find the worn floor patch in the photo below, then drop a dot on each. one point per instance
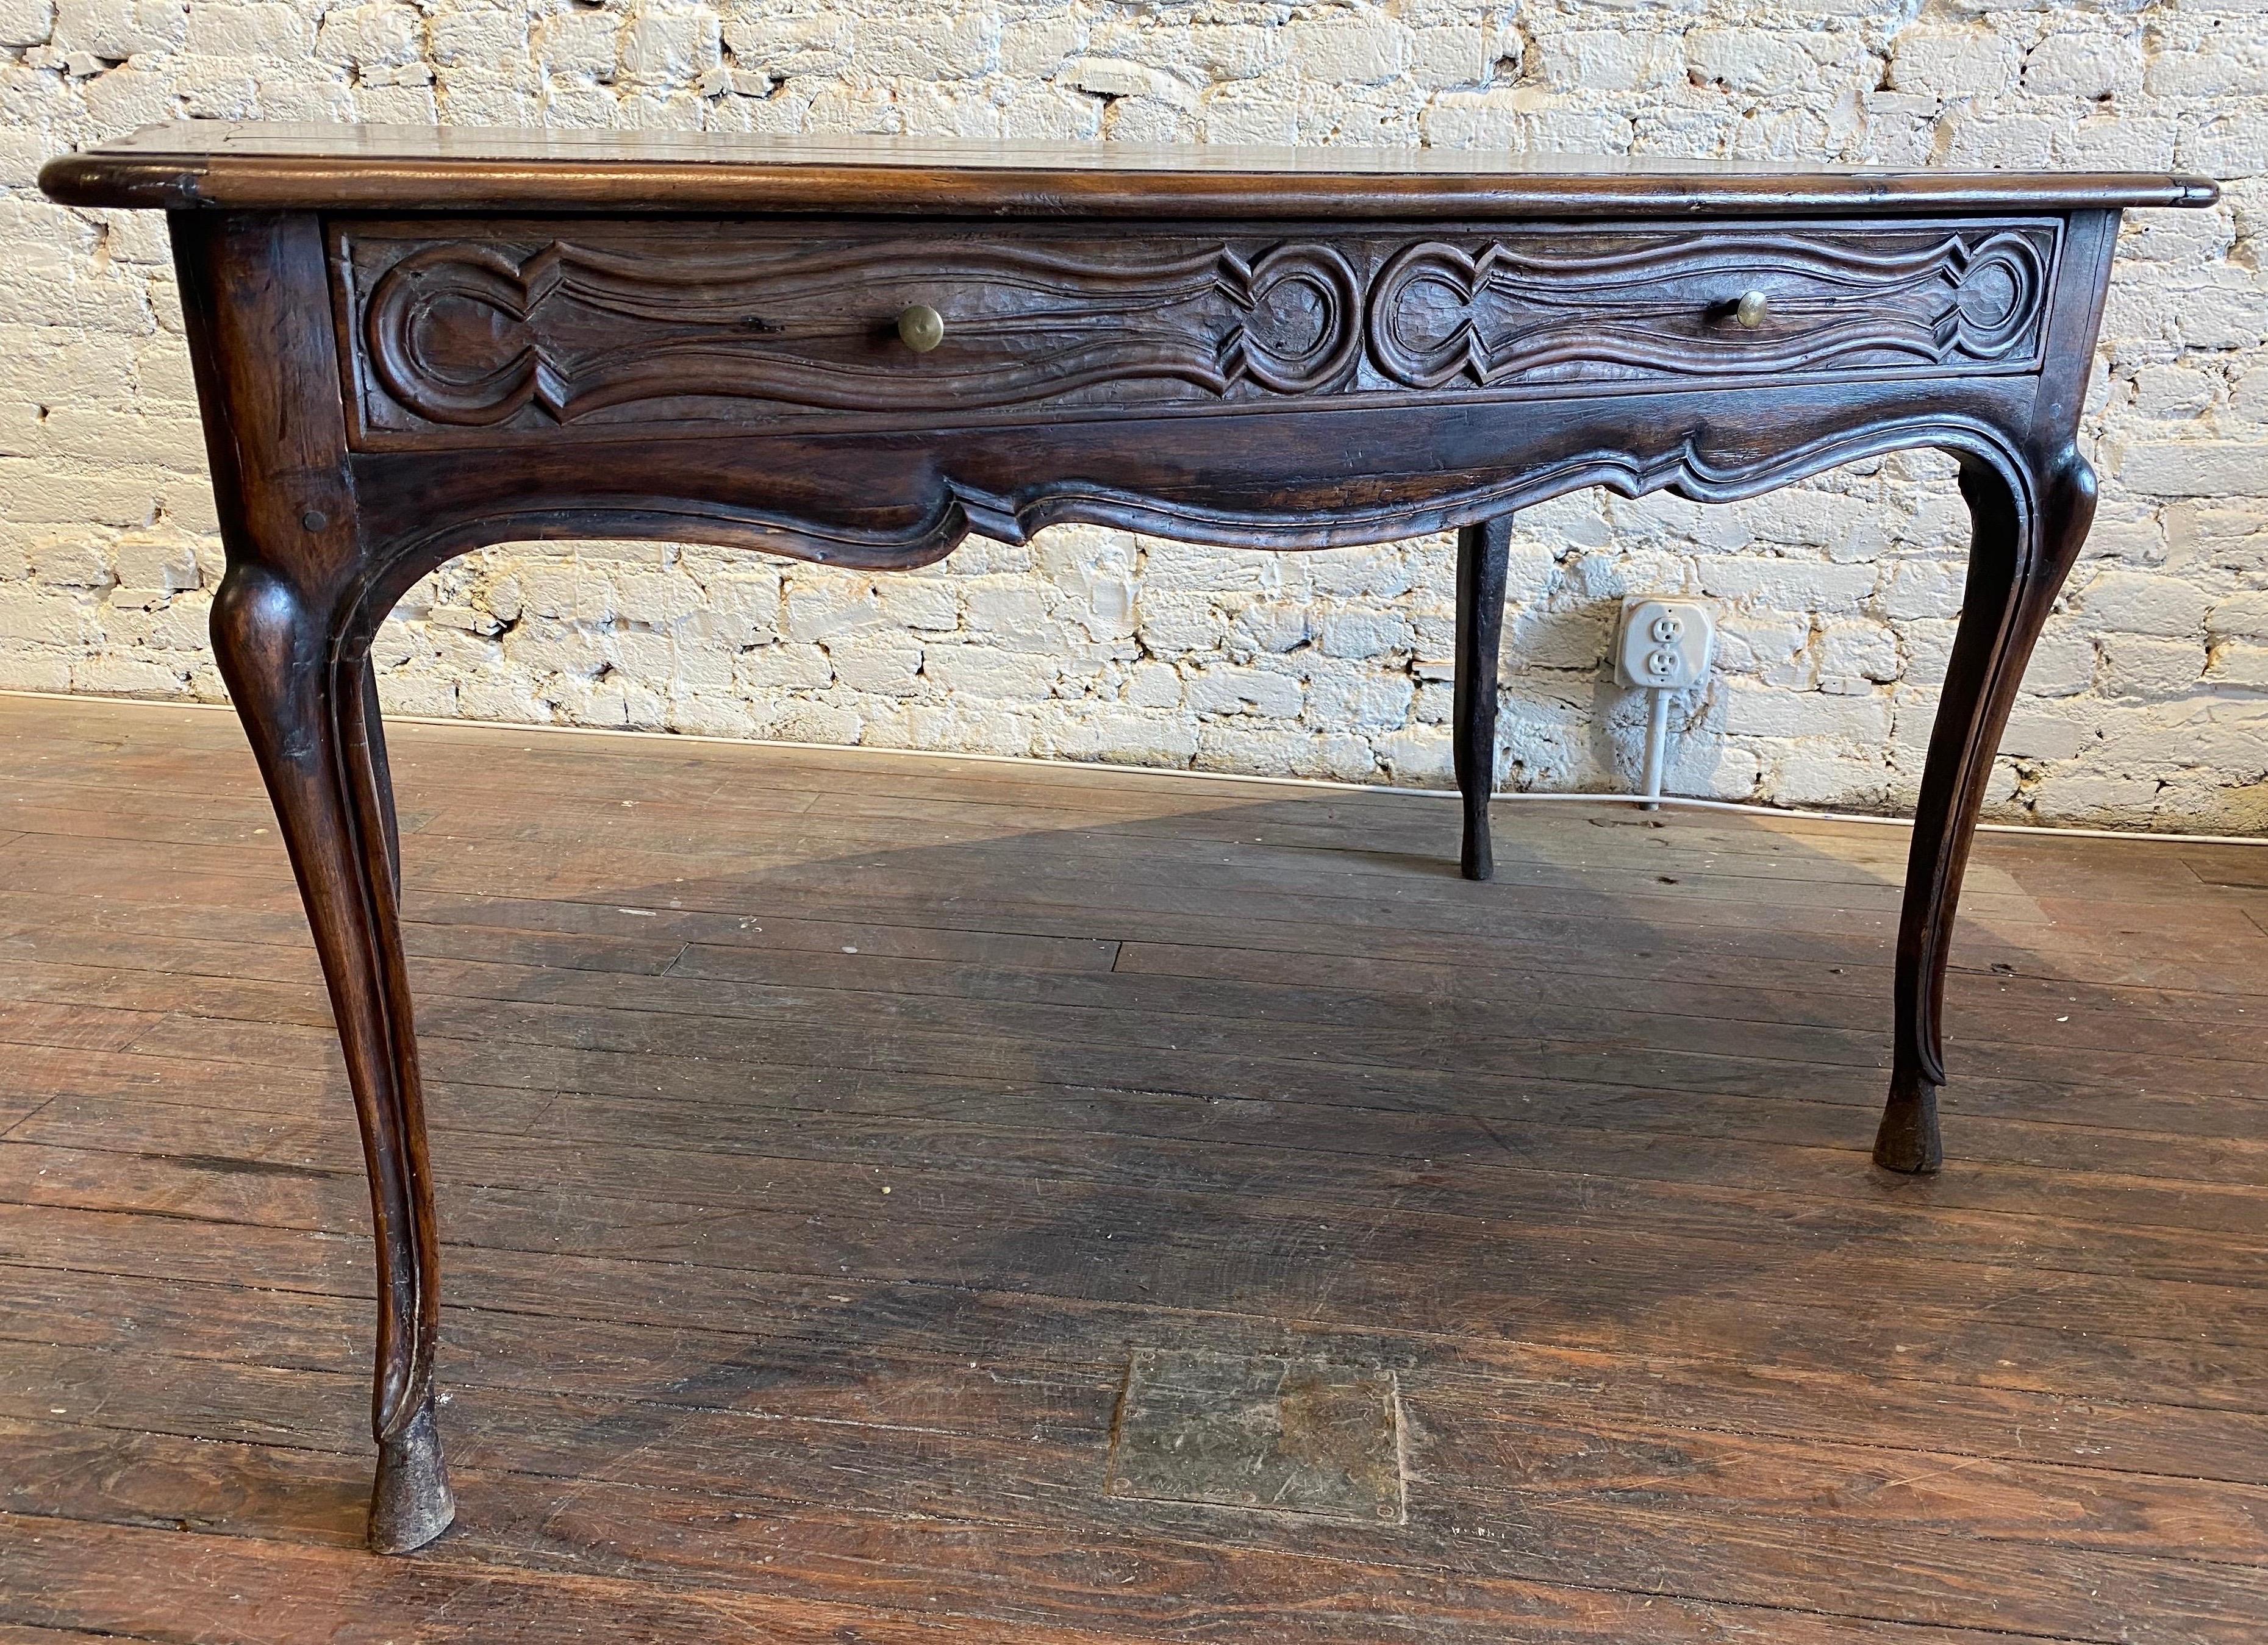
(1295, 1435)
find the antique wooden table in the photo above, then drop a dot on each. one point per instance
(411, 342)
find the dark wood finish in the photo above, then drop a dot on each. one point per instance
(275, 165)
(405, 350)
(466, 338)
(301, 684)
(1667, 1365)
(1484, 555)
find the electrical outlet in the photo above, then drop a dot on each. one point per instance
(1664, 643)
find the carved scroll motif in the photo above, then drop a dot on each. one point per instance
(1441, 314)
(470, 335)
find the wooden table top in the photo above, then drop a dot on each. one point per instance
(259, 165)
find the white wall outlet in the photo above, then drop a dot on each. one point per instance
(1666, 644)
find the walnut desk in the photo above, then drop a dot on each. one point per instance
(409, 343)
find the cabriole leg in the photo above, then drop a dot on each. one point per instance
(2020, 554)
(311, 715)
(1482, 551)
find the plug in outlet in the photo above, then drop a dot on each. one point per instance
(1665, 645)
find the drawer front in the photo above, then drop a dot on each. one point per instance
(501, 329)
(1736, 303)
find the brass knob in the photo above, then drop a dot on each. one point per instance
(1754, 308)
(921, 328)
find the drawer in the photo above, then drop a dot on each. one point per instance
(1726, 304)
(478, 333)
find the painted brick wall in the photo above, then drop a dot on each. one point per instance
(2148, 704)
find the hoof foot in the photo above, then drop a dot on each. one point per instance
(1909, 1140)
(410, 1504)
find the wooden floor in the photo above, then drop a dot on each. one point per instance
(821, 1135)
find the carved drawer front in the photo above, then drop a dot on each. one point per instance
(1738, 302)
(757, 323)
(501, 329)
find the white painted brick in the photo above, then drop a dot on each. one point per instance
(988, 673)
(1179, 624)
(939, 45)
(26, 22)
(815, 610)
(2063, 663)
(773, 668)
(1015, 617)
(1036, 47)
(2209, 64)
(1763, 711)
(2137, 665)
(115, 30)
(2241, 616)
(1360, 699)
(1450, 55)
(1108, 77)
(1344, 48)
(882, 661)
(1923, 588)
(1359, 633)
(2242, 666)
(2143, 603)
(1790, 584)
(162, 560)
(668, 45)
(808, 723)
(1223, 689)
(2085, 63)
(790, 46)
(1271, 625)
(2171, 391)
(2195, 468)
(1123, 737)
(1948, 62)
(1747, 58)
(1855, 654)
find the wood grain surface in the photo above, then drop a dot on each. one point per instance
(1146, 1066)
(263, 164)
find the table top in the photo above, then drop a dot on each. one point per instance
(264, 166)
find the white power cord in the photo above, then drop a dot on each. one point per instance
(1657, 738)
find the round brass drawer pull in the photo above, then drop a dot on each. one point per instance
(1754, 308)
(921, 328)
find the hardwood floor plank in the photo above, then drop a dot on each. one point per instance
(137, 1320)
(260, 1591)
(1965, 1347)
(1249, 1257)
(1043, 1447)
(1509, 1173)
(703, 1018)
(472, 1594)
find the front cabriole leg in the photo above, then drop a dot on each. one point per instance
(2023, 547)
(303, 707)
(291, 635)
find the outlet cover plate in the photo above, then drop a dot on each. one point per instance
(1667, 643)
